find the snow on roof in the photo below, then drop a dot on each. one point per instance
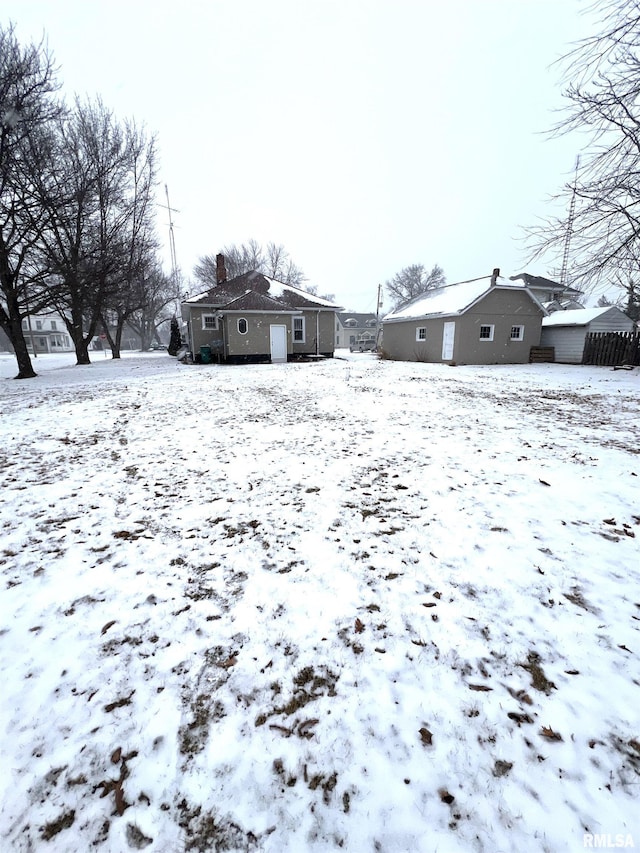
(451, 299)
(198, 297)
(278, 288)
(574, 317)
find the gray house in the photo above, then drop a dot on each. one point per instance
(488, 320)
(252, 318)
(554, 296)
(356, 331)
(566, 331)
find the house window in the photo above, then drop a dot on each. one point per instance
(54, 326)
(517, 333)
(209, 322)
(298, 330)
(486, 333)
(38, 325)
(24, 324)
(421, 333)
(242, 326)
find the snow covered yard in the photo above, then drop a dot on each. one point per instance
(356, 605)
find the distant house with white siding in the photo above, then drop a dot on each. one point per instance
(566, 331)
(46, 333)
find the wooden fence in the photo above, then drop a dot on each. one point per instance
(612, 348)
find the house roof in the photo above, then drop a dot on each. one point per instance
(454, 298)
(538, 282)
(579, 316)
(254, 301)
(279, 295)
(360, 318)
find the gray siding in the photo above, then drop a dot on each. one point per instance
(257, 339)
(317, 324)
(500, 309)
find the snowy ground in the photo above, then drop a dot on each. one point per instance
(356, 605)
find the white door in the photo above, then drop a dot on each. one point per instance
(278, 336)
(448, 336)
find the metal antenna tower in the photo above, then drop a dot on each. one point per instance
(567, 239)
(172, 248)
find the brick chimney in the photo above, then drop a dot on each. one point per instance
(221, 272)
(494, 276)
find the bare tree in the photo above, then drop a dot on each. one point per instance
(626, 280)
(27, 105)
(129, 278)
(273, 261)
(156, 306)
(602, 223)
(412, 281)
(98, 214)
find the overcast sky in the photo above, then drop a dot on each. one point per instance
(364, 135)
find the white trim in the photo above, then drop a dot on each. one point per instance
(491, 328)
(205, 327)
(303, 339)
(520, 336)
(246, 323)
(421, 338)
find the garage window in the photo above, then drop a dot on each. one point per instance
(486, 333)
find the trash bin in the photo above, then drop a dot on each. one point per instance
(205, 355)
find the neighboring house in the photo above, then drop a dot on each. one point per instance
(488, 320)
(5, 342)
(356, 331)
(566, 331)
(46, 333)
(252, 318)
(553, 296)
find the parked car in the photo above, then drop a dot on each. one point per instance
(364, 345)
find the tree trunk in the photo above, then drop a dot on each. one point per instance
(76, 333)
(25, 368)
(114, 343)
(12, 325)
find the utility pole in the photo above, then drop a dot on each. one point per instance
(378, 307)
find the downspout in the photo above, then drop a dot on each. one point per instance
(318, 332)
(223, 322)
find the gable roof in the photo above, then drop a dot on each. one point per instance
(254, 301)
(268, 294)
(538, 282)
(360, 318)
(454, 299)
(580, 316)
